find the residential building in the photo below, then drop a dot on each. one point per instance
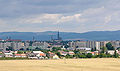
(8, 54)
(42, 45)
(97, 45)
(20, 55)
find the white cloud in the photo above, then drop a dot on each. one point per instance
(32, 21)
(93, 11)
(70, 18)
(52, 19)
(108, 19)
(43, 18)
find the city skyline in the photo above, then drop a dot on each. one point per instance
(67, 16)
(59, 35)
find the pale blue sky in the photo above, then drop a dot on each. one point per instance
(69, 15)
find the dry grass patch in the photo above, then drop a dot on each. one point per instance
(103, 64)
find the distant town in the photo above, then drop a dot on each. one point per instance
(56, 48)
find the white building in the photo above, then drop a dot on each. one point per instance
(111, 52)
(97, 45)
(8, 54)
(55, 57)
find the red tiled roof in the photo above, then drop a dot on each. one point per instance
(20, 54)
(42, 54)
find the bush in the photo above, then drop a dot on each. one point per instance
(116, 55)
(95, 56)
(82, 56)
(79, 55)
(56, 48)
(20, 52)
(109, 55)
(89, 55)
(102, 55)
(69, 56)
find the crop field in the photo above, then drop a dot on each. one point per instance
(103, 64)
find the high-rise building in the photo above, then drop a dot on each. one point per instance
(80, 44)
(103, 43)
(42, 45)
(91, 44)
(97, 45)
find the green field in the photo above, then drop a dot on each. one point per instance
(103, 64)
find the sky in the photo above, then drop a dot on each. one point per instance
(64, 15)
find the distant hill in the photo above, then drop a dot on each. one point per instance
(94, 35)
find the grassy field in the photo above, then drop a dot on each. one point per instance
(105, 64)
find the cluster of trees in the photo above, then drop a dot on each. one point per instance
(104, 51)
(10, 48)
(83, 55)
(109, 46)
(89, 55)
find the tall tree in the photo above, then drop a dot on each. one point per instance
(109, 46)
(103, 50)
(116, 55)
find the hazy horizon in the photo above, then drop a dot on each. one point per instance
(64, 31)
